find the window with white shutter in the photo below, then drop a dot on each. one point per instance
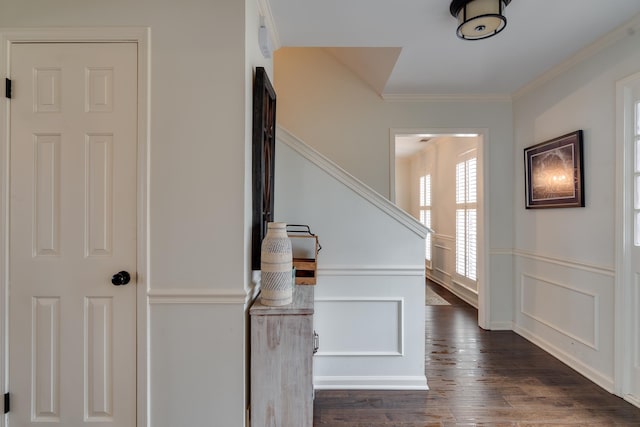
(466, 216)
(425, 210)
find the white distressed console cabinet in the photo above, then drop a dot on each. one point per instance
(282, 346)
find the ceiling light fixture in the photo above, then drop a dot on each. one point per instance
(479, 19)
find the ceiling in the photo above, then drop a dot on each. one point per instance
(406, 145)
(409, 47)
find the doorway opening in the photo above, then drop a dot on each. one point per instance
(627, 294)
(437, 176)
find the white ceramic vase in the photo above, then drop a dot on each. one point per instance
(276, 265)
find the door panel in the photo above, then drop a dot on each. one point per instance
(72, 334)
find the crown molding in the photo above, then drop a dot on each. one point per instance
(625, 30)
(447, 97)
(264, 8)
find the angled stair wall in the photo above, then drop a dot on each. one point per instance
(370, 290)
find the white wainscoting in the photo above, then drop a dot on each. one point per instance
(365, 317)
(204, 332)
(566, 307)
(541, 300)
(443, 259)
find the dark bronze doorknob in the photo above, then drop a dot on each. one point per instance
(121, 278)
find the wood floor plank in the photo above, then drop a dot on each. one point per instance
(479, 378)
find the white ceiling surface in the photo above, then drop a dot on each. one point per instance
(406, 145)
(540, 34)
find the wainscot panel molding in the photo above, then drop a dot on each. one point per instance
(599, 378)
(443, 262)
(368, 327)
(444, 237)
(604, 270)
(352, 182)
(567, 308)
(377, 321)
(198, 296)
(369, 383)
(532, 305)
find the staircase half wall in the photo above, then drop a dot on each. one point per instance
(370, 291)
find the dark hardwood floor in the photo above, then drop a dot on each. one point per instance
(479, 378)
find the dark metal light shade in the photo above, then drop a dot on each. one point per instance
(479, 19)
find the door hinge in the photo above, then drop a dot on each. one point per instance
(7, 403)
(7, 88)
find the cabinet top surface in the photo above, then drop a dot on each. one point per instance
(302, 304)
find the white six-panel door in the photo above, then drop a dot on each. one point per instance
(72, 333)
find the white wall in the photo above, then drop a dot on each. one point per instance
(331, 109)
(201, 65)
(403, 187)
(564, 258)
(369, 297)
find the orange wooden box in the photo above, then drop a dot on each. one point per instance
(305, 258)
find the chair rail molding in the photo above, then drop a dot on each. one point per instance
(371, 270)
(198, 296)
(604, 270)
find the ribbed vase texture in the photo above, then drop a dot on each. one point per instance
(276, 265)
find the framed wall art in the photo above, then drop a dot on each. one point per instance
(554, 173)
(264, 156)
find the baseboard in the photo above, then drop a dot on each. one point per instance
(469, 296)
(585, 370)
(370, 383)
(634, 400)
(501, 326)
(457, 291)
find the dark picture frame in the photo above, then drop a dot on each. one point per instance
(263, 161)
(554, 173)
